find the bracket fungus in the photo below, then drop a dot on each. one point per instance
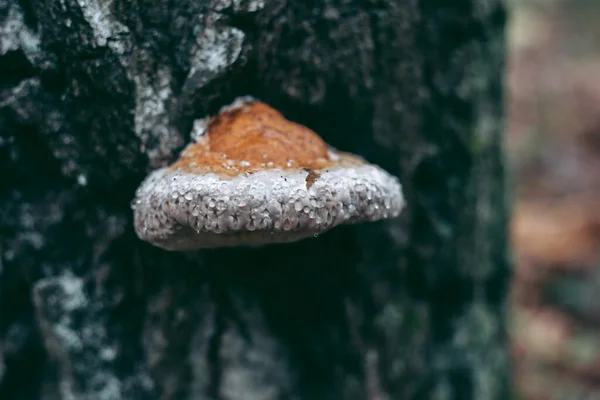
(253, 177)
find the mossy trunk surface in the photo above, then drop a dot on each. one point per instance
(96, 93)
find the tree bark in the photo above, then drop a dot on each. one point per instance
(96, 93)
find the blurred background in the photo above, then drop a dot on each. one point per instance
(553, 146)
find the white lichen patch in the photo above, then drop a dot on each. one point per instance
(256, 368)
(105, 26)
(199, 129)
(153, 87)
(76, 337)
(217, 49)
(185, 211)
(152, 94)
(240, 5)
(14, 34)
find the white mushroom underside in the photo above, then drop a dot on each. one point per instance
(185, 211)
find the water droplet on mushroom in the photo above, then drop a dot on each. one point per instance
(134, 203)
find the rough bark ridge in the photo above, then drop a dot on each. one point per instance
(95, 93)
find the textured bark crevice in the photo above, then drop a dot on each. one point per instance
(95, 93)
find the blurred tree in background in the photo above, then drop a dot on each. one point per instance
(553, 142)
(95, 93)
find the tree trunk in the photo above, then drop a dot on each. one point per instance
(96, 93)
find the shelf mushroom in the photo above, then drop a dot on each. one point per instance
(252, 178)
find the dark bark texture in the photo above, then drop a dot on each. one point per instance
(96, 93)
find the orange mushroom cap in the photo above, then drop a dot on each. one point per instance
(254, 177)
